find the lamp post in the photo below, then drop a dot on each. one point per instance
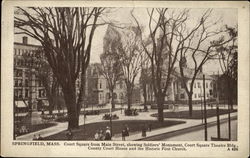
(110, 100)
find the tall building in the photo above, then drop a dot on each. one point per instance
(28, 89)
(97, 91)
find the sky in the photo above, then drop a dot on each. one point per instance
(122, 15)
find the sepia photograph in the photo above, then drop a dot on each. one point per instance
(109, 73)
(124, 79)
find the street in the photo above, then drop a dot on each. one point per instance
(212, 132)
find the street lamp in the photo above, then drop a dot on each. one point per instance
(110, 100)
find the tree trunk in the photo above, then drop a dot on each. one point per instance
(145, 95)
(51, 104)
(190, 104)
(160, 102)
(112, 100)
(129, 96)
(70, 100)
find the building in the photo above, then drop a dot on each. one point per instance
(28, 89)
(97, 91)
(176, 91)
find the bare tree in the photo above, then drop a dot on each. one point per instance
(162, 47)
(200, 47)
(110, 65)
(49, 81)
(66, 36)
(228, 59)
(145, 80)
(130, 57)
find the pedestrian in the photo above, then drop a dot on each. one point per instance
(143, 130)
(97, 136)
(149, 127)
(69, 135)
(123, 134)
(126, 130)
(34, 137)
(107, 134)
(101, 135)
(40, 137)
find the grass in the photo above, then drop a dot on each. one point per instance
(134, 126)
(197, 114)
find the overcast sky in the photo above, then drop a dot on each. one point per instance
(122, 15)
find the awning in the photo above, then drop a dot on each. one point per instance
(20, 104)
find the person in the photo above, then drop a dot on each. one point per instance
(149, 127)
(126, 130)
(108, 134)
(40, 137)
(34, 137)
(101, 135)
(143, 131)
(97, 136)
(69, 135)
(123, 134)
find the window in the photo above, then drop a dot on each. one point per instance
(206, 85)
(211, 85)
(16, 83)
(207, 94)
(182, 96)
(16, 93)
(20, 93)
(115, 95)
(26, 83)
(20, 83)
(182, 85)
(194, 85)
(199, 85)
(26, 93)
(199, 95)
(195, 95)
(40, 93)
(100, 85)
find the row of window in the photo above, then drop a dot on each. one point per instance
(19, 93)
(25, 52)
(196, 95)
(26, 83)
(120, 85)
(198, 85)
(21, 62)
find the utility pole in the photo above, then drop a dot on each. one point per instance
(205, 109)
(217, 108)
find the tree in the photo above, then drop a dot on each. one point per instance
(49, 81)
(162, 48)
(145, 81)
(110, 65)
(130, 57)
(228, 59)
(66, 36)
(198, 48)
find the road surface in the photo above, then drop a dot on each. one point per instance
(212, 132)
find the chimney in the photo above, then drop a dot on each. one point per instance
(25, 40)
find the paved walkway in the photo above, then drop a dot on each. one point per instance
(133, 136)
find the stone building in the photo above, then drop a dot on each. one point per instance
(97, 91)
(28, 89)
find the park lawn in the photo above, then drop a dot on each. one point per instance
(134, 126)
(197, 114)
